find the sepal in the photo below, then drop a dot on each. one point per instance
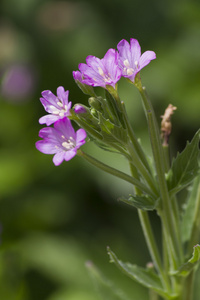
(86, 89)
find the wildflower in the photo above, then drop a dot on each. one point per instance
(58, 106)
(130, 59)
(101, 72)
(61, 140)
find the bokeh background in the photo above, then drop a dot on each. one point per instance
(55, 219)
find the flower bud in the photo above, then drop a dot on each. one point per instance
(94, 103)
(80, 109)
(86, 89)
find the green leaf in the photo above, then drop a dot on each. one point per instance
(111, 131)
(144, 202)
(105, 288)
(184, 167)
(193, 262)
(145, 277)
(191, 214)
(105, 147)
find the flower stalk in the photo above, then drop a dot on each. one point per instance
(114, 171)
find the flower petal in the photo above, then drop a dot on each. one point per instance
(65, 127)
(124, 50)
(135, 50)
(49, 119)
(62, 94)
(70, 154)
(77, 75)
(80, 137)
(58, 158)
(49, 96)
(46, 147)
(145, 58)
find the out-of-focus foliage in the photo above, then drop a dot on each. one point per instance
(54, 219)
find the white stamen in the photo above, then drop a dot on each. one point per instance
(60, 104)
(55, 112)
(136, 63)
(129, 71)
(101, 71)
(69, 144)
(52, 107)
(62, 136)
(126, 63)
(65, 145)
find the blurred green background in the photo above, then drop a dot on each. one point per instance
(54, 219)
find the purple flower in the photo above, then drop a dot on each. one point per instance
(101, 72)
(57, 106)
(130, 59)
(61, 140)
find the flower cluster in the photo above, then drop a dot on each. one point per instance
(61, 139)
(126, 62)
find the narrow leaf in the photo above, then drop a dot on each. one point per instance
(145, 277)
(193, 262)
(185, 166)
(111, 131)
(191, 214)
(105, 287)
(144, 202)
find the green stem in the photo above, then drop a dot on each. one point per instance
(114, 172)
(150, 239)
(166, 215)
(153, 250)
(136, 153)
(135, 160)
(189, 284)
(153, 295)
(195, 234)
(134, 140)
(175, 209)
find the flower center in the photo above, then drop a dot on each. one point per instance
(136, 64)
(127, 69)
(69, 143)
(59, 111)
(106, 78)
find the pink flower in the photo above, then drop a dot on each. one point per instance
(130, 59)
(61, 140)
(57, 106)
(101, 72)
